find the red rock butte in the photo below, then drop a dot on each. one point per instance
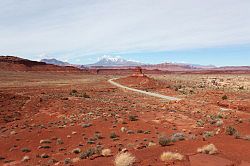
(138, 72)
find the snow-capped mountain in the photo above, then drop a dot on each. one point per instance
(115, 61)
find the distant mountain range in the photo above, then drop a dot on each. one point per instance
(12, 63)
(177, 66)
(115, 61)
(112, 65)
(119, 63)
(55, 62)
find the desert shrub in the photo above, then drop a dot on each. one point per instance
(88, 153)
(130, 132)
(91, 141)
(164, 141)
(139, 131)
(106, 152)
(77, 94)
(147, 132)
(200, 123)
(73, 92)
(219, 115)
(224, 97)
(239, 120)
(59, 141)
(98, 149)
(133, 118)
(231, 131)
(208, 134)
(124, 159)
(207, 149)
(67, 161)
(98, 135)
(85, 95)
(177, 137)
(219, 123)
(113, 135)
(167, 156)
(241, 87)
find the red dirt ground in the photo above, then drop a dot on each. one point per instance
(39, 106)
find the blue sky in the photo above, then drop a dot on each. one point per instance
(151, 31)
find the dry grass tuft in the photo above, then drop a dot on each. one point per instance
(124, 159)
(106, 152)
(167, 156)
(208, 149)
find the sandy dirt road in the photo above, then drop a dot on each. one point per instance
(143, 92)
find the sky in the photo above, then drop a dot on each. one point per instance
(213, 32)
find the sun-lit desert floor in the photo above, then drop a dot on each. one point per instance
(72, 119)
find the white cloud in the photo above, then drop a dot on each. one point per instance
(33, 27)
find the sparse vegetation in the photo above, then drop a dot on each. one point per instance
(133, 117)
(241, 87)
(231, 131)
(207, 149)
(219, 123)
(98, 135)
(164, 140)
(200, 123)
(224, 97)
(124, 159)
(106, 152)
(88, 153)
(98, 128)
(208, 134)
(75, 93)
(113, 135)
(177, 137)
(167, 156)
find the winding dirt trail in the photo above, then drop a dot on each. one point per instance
(143, 92)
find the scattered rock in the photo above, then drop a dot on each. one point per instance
(44, 155)
(67, 161)
(76, 151)
(59, 141)
(86, 125)
(25, 159)
(45, 141)
(123, 129)
(26, 150)
(106, 152)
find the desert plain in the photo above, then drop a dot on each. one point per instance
(74, 118)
